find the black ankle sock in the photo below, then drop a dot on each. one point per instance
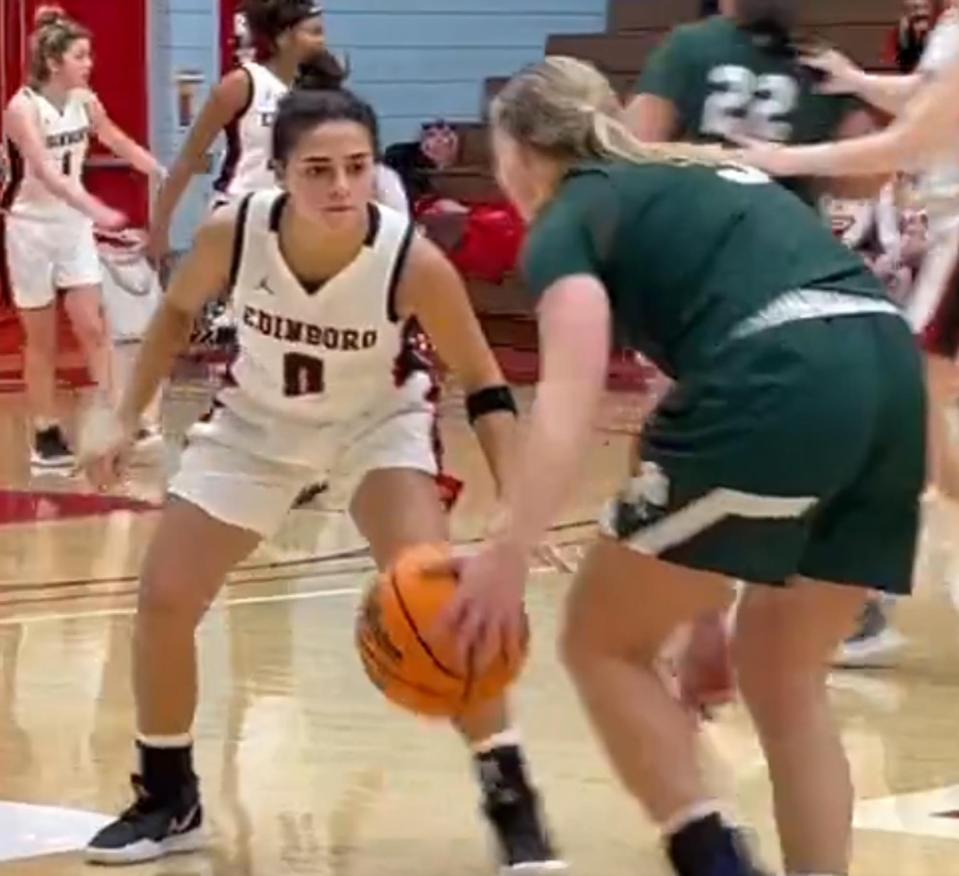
(707, 847)
(165, 772)
(502, 770)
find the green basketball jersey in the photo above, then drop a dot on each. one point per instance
(686, 253)
(723, 79)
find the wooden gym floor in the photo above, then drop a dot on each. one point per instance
(306, 770)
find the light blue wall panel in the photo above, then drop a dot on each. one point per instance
(415, 60)
(184, 36)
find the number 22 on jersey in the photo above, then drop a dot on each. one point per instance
(741, 102)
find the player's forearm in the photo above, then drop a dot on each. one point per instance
(877, 153)
(166, 337)
(171, 192)
(497, 435)
(927, 124)
(127, 148)
(889, 93)
(556, 443)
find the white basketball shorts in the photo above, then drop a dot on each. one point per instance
(46, 256)
(222, 472)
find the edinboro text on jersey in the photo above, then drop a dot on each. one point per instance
(282, 328)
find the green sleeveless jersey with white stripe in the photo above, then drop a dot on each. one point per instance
(690, 254)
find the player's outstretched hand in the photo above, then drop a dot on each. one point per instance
(104, 447)
(838, 72)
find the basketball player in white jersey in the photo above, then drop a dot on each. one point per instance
(242, 106)
(324, 282)
(324, 73)
(49, 216)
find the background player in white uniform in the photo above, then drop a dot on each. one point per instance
(49, 217)
(287, 33)
(323, 281)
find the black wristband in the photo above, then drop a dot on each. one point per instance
(488, 401)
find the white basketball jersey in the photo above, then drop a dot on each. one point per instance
(938, 188)
(66, 136)
(308, 358)
(249, 136)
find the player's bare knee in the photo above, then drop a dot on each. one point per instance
(41, 343)
(582, 647)
(172, 600)
(91, 332)
(777, 690)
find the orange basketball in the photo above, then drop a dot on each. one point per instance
(395, 635)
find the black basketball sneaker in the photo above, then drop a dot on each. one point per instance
(151, 828)
(512, 808)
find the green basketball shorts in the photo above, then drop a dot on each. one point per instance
(800, 451)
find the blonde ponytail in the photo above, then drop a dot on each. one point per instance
(615, 141)
(567, 109)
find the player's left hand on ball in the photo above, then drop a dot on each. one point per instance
(486, 615)
(103, 447)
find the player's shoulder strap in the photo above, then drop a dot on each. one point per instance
(260, 75)
(389, 238)
(31, 98)
(246, 71)
(85, 99)
(256, 218)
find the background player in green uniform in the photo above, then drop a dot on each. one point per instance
(738, 74)
(733, 75)
(789, 453)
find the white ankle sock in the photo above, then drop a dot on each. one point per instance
(497, 740)
(182, 740)
(675, 823)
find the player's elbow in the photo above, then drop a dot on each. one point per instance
(110, 135)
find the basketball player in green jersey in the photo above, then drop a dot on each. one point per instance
(790, 453)
(739, 74)
(733, 75)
